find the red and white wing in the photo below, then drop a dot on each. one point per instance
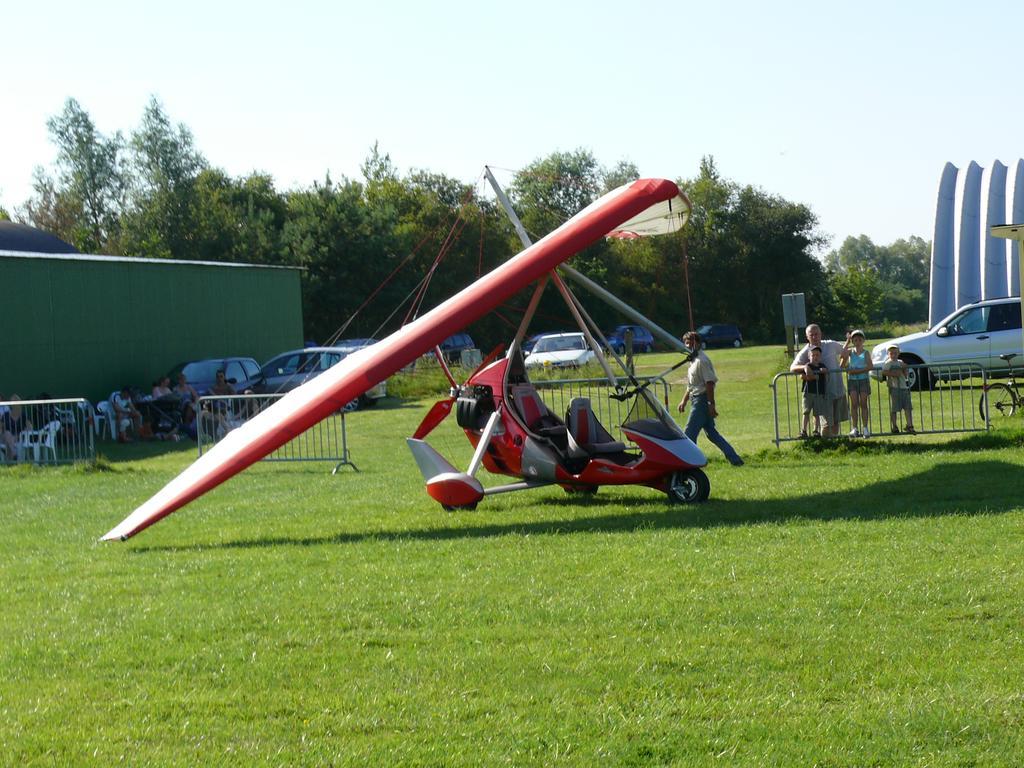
(647, 205)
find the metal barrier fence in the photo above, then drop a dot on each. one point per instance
(60, 431)
(324, 441)
(950, 400)
(558, 393)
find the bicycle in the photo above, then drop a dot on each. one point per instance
(1002, 398)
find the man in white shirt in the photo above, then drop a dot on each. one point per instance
(700, 391)
(831, 354)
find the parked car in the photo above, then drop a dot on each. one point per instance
(560, 350)
(977, 333)
(350, 344)
(453, 347)
(292, 369)
(528, 343)
(721, 335)
(643, 339)
(241, 373)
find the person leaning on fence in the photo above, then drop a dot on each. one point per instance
(816, 400)
(895, 372)
(217, 418)
(700, 391)
(858, 383)
(831, 355)
(126, 413)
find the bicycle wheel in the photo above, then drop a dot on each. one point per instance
(1002, 401)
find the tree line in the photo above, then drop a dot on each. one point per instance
(408, 241)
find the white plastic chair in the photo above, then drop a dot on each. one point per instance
(105, 414)
(37, 440)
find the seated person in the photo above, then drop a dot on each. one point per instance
(222, 386)
(189, 397)
(217, 418)
(162, 388)
(126, 414)
(13, 422)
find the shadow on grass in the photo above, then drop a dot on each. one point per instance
(142, 449)
(981, 441)
(985, 487)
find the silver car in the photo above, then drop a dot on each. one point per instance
(977, 333)
(289, 370)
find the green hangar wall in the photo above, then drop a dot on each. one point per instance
(82, 326)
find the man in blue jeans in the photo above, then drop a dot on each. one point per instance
(700, 390)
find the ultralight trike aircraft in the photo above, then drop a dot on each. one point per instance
(513, 431)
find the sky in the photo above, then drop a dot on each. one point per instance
(850, 108)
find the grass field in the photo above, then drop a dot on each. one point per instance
(835, 605)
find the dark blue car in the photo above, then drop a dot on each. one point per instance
(643, 339)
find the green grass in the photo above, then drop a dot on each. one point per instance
(835, 604)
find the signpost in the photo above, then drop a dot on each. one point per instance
(794, 315)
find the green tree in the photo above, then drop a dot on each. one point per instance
(553, 189)
(901, 270)
(746, 249)
(238, 220)
(621, 173)
(4, 215)
(162, 218)
(857, 294)
(83, 204)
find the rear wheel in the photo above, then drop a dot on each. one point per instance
(351, 405)
(466, 507)
(1000, 399)
(689, 487)
(737, 343)
(581, 490)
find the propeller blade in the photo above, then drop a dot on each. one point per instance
(437, 413)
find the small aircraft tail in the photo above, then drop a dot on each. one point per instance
(445, 483)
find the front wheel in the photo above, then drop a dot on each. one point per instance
(737, 343)
(918, 379)
(1000, 399)
(689, 487)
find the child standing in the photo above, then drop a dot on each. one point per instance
(816, 400)
(858, 383)
(895, 372)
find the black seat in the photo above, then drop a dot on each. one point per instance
(1008, 357)
(586, 435)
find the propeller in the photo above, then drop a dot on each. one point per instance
(440, 410)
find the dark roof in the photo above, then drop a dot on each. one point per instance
(22, 237)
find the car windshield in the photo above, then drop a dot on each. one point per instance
(704, 330)
(204, 370)
(560, 344)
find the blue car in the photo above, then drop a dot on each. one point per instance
(643, 339)
(241, 373)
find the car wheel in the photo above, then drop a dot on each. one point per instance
(351, 405)
(689, 487)
(737, 343)
(1000, 401)
(917, 378)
